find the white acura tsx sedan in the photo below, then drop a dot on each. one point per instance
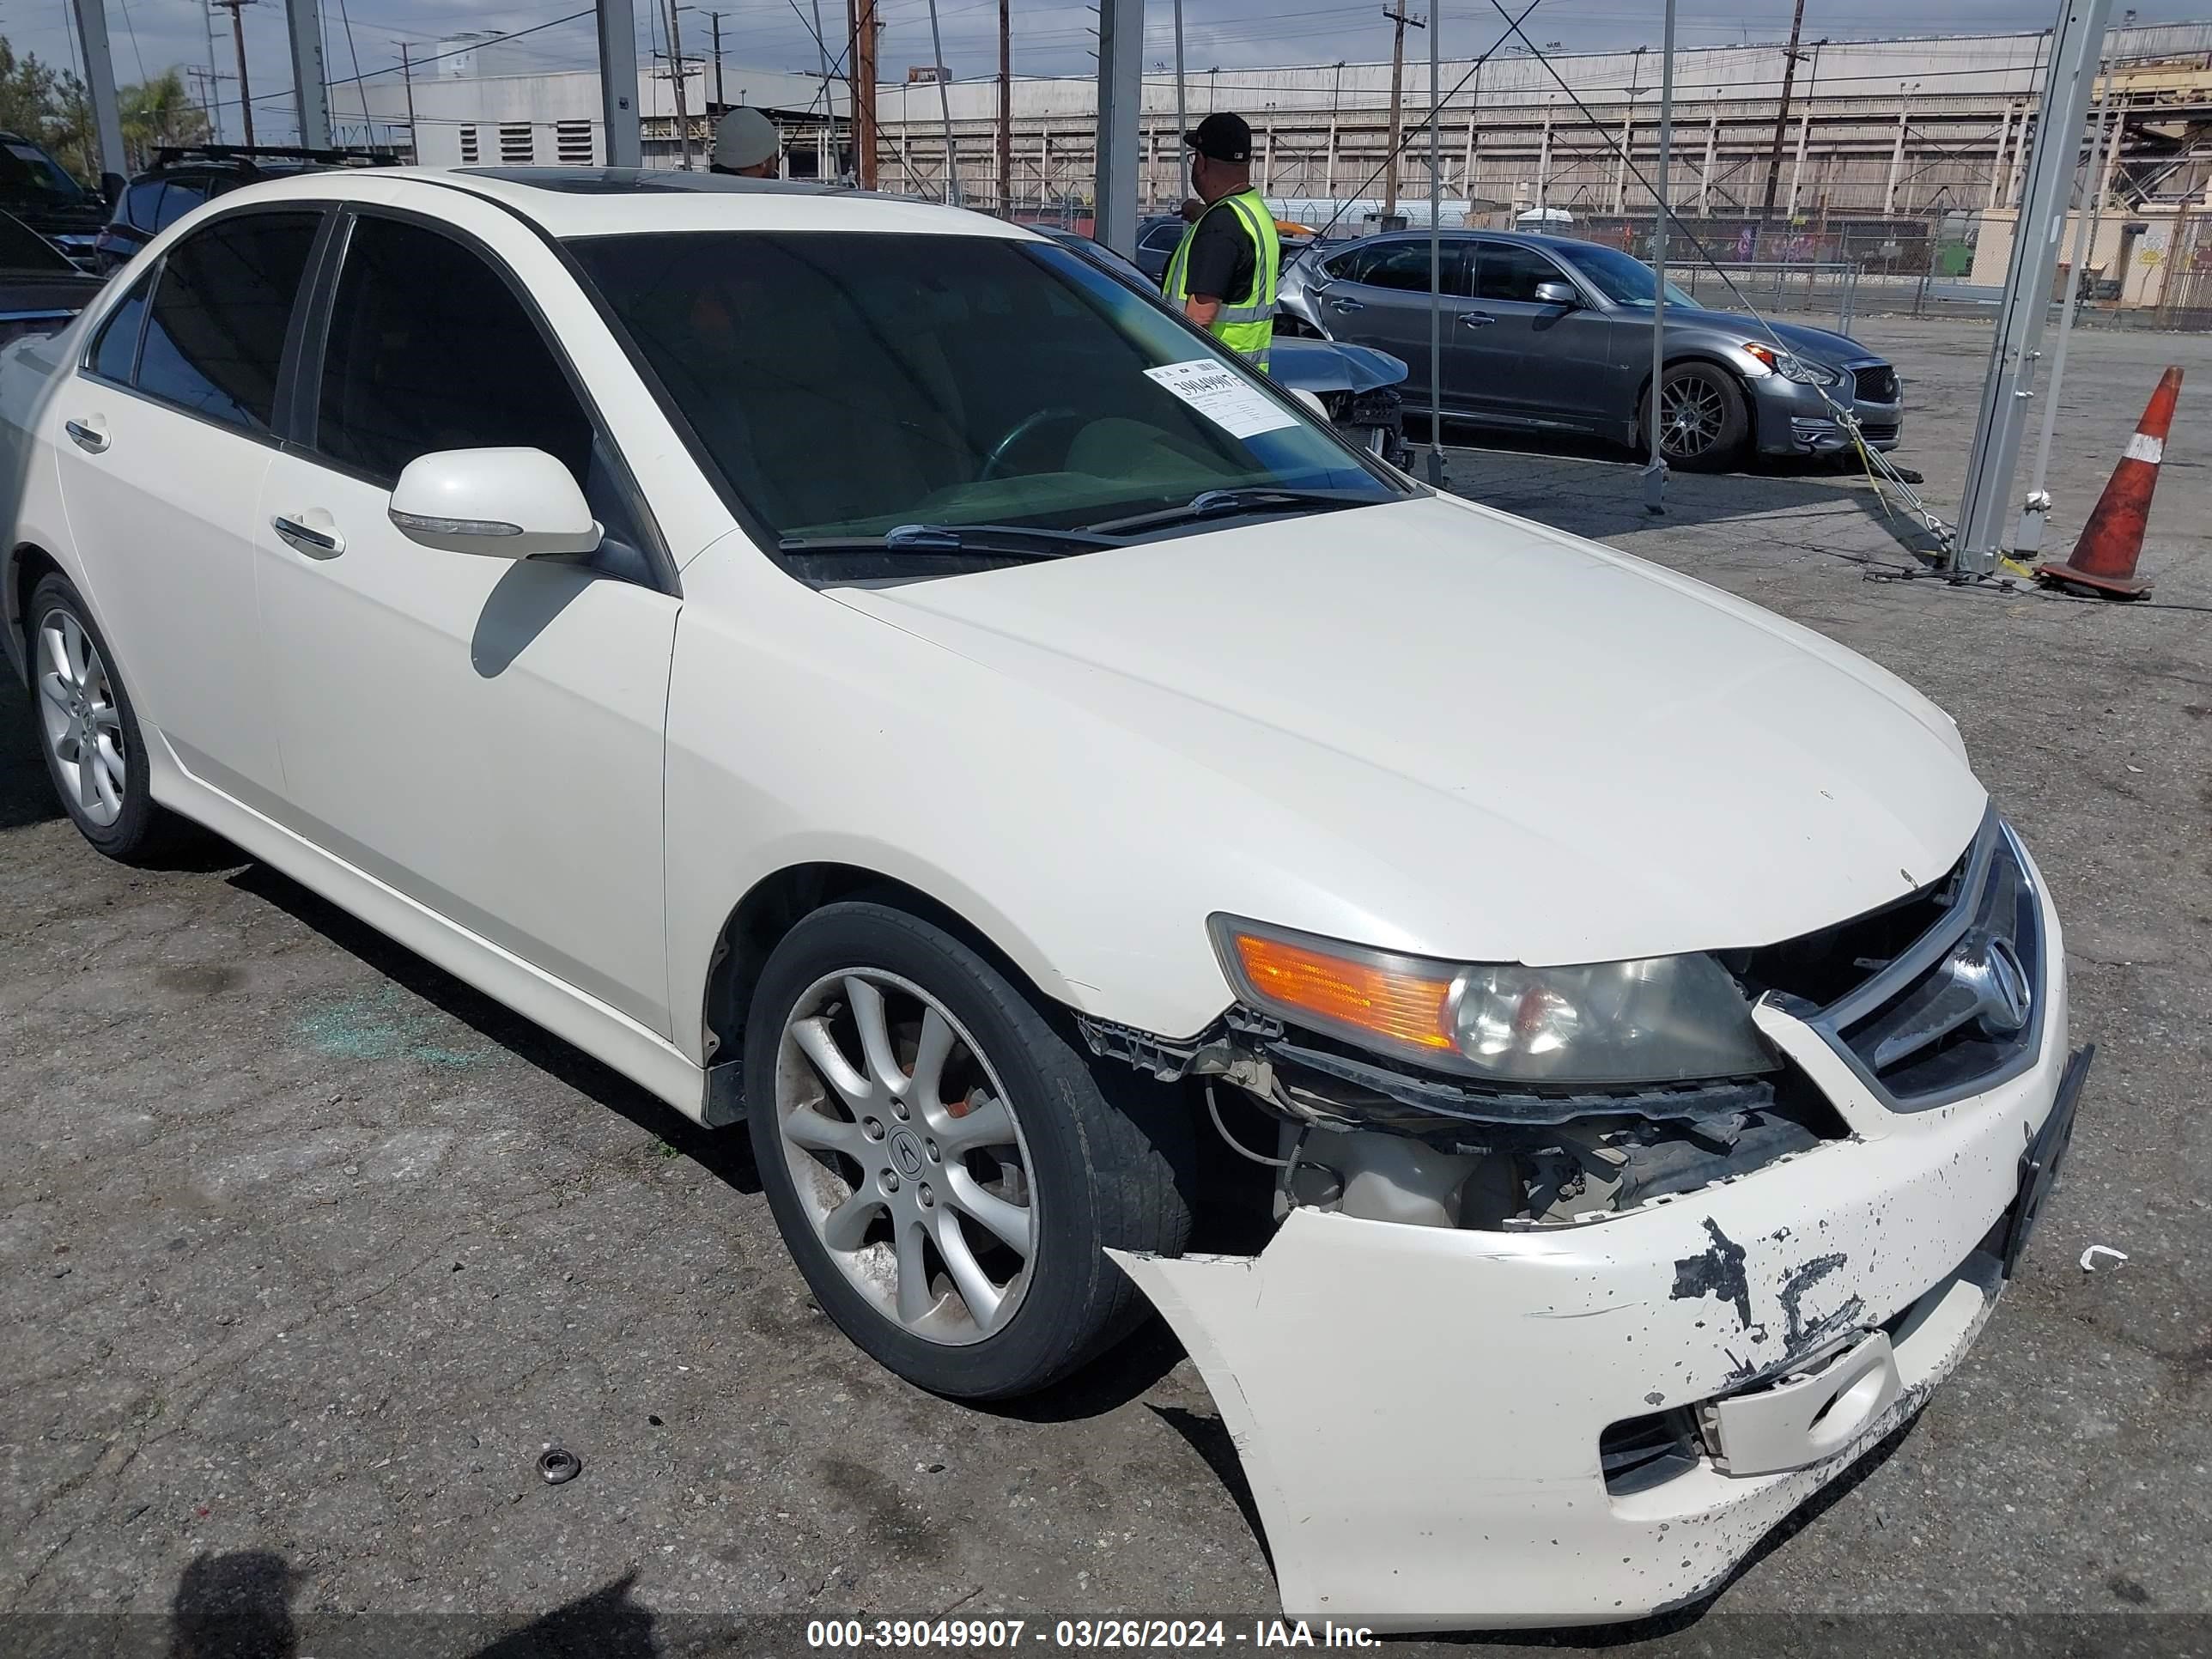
(858, 668)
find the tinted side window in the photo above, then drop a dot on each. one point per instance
(1406, 265)
(429, 349)
(1161, 238)
(215, 337)
(141, 203)
(180, 197)
(115, 353)
(1508, 270)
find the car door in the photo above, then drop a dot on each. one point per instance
(1378, 295)
(1546, 364)
(166, 432)
(482, 734)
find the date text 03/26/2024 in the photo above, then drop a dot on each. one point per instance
(1013, 1635)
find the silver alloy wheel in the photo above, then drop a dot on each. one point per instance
(84, 729)
(1691, 416)
(925, 1204)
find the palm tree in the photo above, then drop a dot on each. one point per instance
(161, 111)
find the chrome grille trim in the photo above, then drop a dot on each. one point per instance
(1903, 1010)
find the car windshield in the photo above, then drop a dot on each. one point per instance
(25, 169)
(1622, 279)
(847, 383)
(22, 248)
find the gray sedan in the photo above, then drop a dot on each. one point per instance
(1545, 333)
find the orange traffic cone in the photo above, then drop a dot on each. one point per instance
(2104, 558)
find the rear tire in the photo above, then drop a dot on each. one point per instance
(944, 1165)
(88, 731)
(1704, 420)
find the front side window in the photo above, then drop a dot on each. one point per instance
(1161, 238)
(847, 383)
(215, 341)
(429, 349)
(1510, 271)
(1621, 277)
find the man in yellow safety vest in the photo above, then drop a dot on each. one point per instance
(1223, 274)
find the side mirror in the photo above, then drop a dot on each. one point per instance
(1557, 294)
(1312, 404)
(112, 186)
(499, 503)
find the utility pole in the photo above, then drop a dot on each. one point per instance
(719, 98)
(237, 11)
(1005, 109)
(676, 69)
(1781, 115)
(1398, 105)
(860, 81)
(407, 74)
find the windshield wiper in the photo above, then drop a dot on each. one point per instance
(1001, 540)
(1261, 499)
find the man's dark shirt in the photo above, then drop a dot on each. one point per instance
(1221, 258)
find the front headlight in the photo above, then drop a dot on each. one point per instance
(1790, 367)
(1659, 1019)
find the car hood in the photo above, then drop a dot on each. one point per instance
(1821, 345)
(1319, 365)
(1517, 745)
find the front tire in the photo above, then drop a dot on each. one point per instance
(944, 1164)
(1703, 422)
(96, 754)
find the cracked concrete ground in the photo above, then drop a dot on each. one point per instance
(306, 1250)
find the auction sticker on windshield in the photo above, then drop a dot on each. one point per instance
(1225, 398)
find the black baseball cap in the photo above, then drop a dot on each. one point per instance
(1222, 137)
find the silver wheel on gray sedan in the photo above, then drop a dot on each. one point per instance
(83, 723)
(1691, 416)
(907, 1158)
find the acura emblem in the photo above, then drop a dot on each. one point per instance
(1986, 968)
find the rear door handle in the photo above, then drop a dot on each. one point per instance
(1345, 306)
(317, 541)
(90, 435)
(1477, 318)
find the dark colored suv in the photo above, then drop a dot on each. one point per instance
(39, 191)
(182, 177)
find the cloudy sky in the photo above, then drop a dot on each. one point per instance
(1050, 36)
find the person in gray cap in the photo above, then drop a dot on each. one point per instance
(746, 144)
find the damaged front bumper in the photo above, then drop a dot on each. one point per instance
(1446, 1427)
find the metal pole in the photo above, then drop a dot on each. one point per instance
(1986, 513)
(407, 74)
(1182, 120)
(2028, 539)
(244, 91)
(677, 77)
(618, 83)
(1006, 110)
(1120, 100)
(1655, 470)
(310, 96)
(99, 81)
(1435, 273)
(945, 109)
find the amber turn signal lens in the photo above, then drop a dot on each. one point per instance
(1407, 1008)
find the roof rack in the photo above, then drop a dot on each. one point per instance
(247, 154)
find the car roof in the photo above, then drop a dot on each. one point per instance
(1530, 238)
(575, 202)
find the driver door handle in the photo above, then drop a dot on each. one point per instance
(90, 435)
(1345, 306)
(1477, 318)
(316, 541)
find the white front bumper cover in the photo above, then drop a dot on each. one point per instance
(1419, 1409)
